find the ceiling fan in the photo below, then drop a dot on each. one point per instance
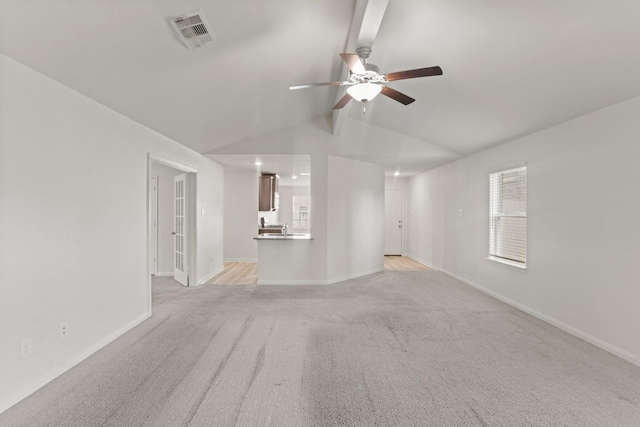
(365, 81)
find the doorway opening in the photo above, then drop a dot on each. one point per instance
(171, 220)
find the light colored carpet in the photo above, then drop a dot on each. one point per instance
(395, 349)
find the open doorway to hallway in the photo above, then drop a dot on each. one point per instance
(172, 220)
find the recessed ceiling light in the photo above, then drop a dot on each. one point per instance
(258, 163)
(396, 173)
(294, 177)
(305, 173)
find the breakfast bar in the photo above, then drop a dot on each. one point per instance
(285, 259)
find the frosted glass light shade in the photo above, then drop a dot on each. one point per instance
(364, 91)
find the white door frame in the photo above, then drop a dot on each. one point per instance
(191, 211)
(153, 225)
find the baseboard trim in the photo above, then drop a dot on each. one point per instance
(210, 276)
(320, 282)
(164, 274)
(355, 276)
(616, 351)
(241, 260)
(75, 360)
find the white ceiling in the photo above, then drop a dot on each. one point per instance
(511, 67)
(293, 169)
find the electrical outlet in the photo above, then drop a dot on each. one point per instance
(64, 329)
(25, 348)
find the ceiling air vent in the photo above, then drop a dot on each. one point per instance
(193, 30)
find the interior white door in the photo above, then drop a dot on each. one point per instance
(393, 222)
(180, 244)
(153, 225)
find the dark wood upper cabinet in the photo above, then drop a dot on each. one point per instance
(268, 193)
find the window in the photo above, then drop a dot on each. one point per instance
(302, 212)
(508, 217)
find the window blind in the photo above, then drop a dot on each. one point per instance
(508, 215)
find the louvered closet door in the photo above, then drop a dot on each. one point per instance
(180, 265)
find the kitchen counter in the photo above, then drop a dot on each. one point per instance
(279, 236)
(286, 260)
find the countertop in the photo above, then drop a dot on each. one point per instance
(289, 236)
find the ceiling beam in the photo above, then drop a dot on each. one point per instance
(365, 25)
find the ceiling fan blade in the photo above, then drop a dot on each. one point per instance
(412, 74)
(354, 63)
(398, 96)
(343, 101)
(315, 84)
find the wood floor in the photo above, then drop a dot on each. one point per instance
(237, 273)
(246, 273)
(403, 263)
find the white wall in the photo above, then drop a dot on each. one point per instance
(73, 191)
(240, 215)
(209, 214)
(582, 227)
(402, 184)
(165, 216)
(347, 227)
(355, 228)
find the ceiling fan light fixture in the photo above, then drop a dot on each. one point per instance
(364, 92)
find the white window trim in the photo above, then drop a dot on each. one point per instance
(507, 262)
(517, 265)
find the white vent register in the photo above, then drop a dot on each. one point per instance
(193, 30)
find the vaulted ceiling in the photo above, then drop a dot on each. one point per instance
(511, 67)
